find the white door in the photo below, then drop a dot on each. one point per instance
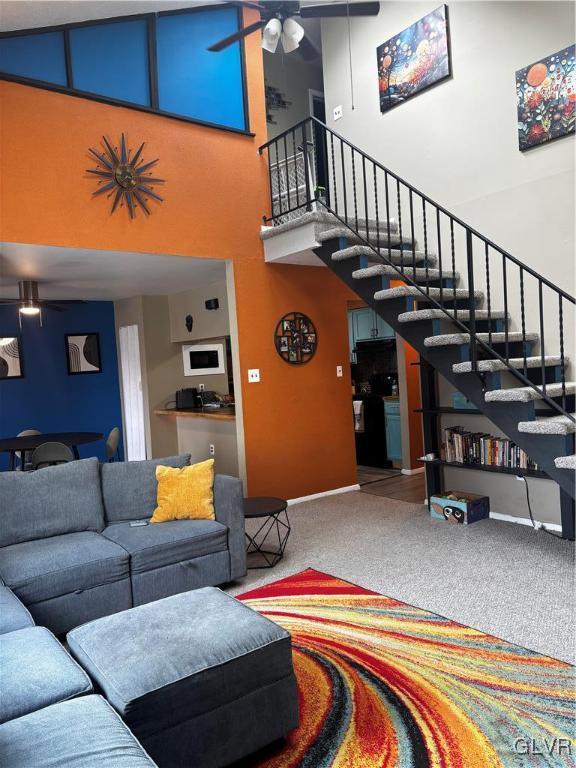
(133, 401)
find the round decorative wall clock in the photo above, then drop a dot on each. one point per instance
(125, 176)
(295, 338)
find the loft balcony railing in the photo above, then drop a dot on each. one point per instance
(312, 167)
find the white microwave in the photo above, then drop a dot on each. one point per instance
(203, 359)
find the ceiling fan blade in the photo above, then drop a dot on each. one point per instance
(221, 44)
(50, 305)
(45, 302)
(10, 301)
(339, 9)
(307, 50)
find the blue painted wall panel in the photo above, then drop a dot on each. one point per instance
(112, 60)
(194, 82)
(40, 57)
(48, 398)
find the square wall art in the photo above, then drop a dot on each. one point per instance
(83, 353)
(10, 358)
(414, 59)
(545, 96)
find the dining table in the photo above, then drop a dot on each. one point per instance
(14, 445)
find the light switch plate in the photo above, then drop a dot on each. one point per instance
(253, 375)
(339, 372)
(338, 112)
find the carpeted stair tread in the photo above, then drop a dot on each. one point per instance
(437, 314)
(433, 293)
(324, 218)
(335, 233)
(419, 274)
(393, 255)
(565, 462)
(489, 366)
(527, 394)
(456, 339)
(555, 425)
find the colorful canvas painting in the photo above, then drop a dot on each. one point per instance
(414, 60)
(546, 96)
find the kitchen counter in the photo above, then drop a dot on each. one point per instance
(219, 414)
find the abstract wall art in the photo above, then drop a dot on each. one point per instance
(545, 97)
(10, 358)
(414, 59)
(83, 353)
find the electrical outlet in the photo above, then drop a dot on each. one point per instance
(201, 387)
(338, 112)
(212, 450)
(254, 375)
(339, 371)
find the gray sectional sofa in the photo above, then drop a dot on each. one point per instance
(68, 550)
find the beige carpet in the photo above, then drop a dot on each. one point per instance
(501, 578)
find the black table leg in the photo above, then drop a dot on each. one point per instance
(75, 452)
(268, 558)
(12, 461)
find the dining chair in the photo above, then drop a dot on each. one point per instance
(50, 454)
(25, 456)
(112, 441)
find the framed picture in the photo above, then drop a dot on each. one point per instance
(414, 59)
(83, 353)
(545, 99)
(11, 366)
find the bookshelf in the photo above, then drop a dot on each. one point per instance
(489, 468)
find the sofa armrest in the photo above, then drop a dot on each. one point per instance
(229, 510)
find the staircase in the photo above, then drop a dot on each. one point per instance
(489, 324)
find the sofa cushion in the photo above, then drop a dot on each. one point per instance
(82, 733)
(36, 672)
(13, 614)
(50, 502)
(162, 663)
(154, 546)
(40, 570)
(129, 487)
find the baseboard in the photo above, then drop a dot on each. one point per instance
(524, 521)
(417, 471)
(333, 492)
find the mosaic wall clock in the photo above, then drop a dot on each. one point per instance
(295, 338)
(125, 177)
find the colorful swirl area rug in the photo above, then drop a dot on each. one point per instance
(384, 684)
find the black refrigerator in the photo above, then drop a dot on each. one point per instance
(371, 443)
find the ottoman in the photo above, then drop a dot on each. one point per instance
(201, 679)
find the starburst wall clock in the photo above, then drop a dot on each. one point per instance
(125, 177)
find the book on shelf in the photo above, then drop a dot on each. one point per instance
(459, 446)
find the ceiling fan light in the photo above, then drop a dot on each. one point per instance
(271, 35)
(6, 340)
(292, 33)
(30, 310)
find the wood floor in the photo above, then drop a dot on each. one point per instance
(403, 487)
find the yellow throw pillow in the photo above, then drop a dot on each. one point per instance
(186, 493)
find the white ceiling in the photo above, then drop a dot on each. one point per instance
(76, 273)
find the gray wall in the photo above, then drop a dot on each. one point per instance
(457, 142)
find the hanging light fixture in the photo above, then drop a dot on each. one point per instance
(271, 35)
(29, 299)
(292, 33)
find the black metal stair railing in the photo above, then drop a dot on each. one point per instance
(312, 166)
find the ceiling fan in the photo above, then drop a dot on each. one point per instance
(277, 19)
(30, 303)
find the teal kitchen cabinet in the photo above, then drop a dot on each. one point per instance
(384, 330)
(351, 337)
(393, 430)
(367, 326)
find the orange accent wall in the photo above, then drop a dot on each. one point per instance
(298, 426)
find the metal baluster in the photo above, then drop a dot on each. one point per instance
(376, 209)
(335, 189)
(288, 199)
(400, 225)
(344, 180)
(471, 301)
(271, 186)
(411, 201)
(453, 268)
(321, 131)
(523, 317)
(542, 347)
(439, 240)
(388, 216)
(366, 198)
(425, 246)
(296, 168)
(279, 179)
(306, 177)
(505, 284)
(354, 189)
(562, 362)
(488, 294)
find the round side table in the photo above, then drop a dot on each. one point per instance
(275, 524)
